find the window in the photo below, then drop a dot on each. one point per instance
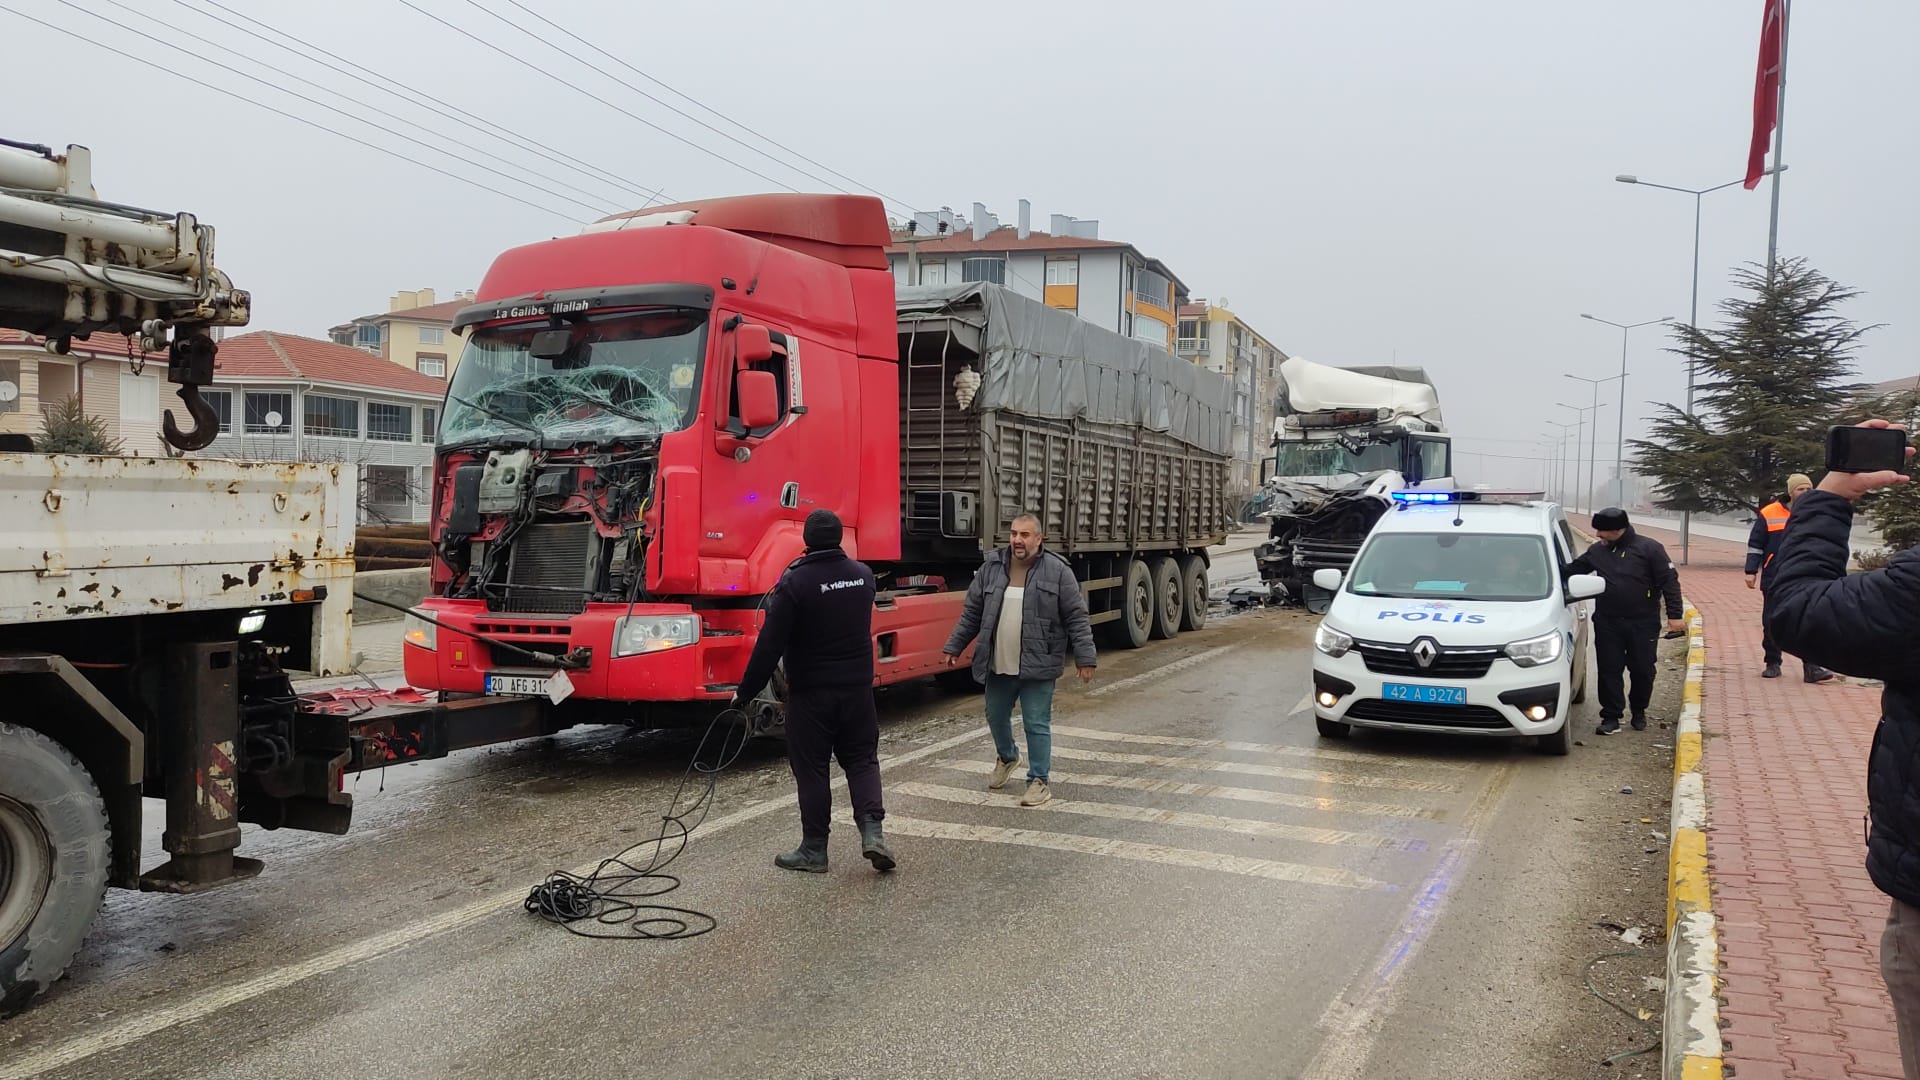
(933, 273)
(139, 399)
(387, 485)
(367, 334)
(1063, 271)
(329, 417)
(222, 404)
(434, 364)
(994, 270)
(389, 423)
(1151, 287)
(1147, 328)
(269, 414)
(433, 335)
(429, 424)
(1484, 566)
(1433, 458)
(9, 386)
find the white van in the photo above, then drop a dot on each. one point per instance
(1454, 618)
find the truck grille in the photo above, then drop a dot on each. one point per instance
(552, 558)
(1479, 717)
(1383, 659)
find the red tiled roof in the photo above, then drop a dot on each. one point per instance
(1005, 238)
(100, 344)
(1189, 311)
(269, 354)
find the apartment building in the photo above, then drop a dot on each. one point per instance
(416, 332)
(1211, 335)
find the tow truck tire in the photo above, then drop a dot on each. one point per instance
(1558, 744)
(53, 862)
(1168, 596)
(1193, 590)
(1332, 729)
(1134, 627)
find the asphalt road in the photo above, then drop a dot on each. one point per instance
(1214, 891)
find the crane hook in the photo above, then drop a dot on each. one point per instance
(190, 363)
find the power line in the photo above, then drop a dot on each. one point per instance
(85, 40)
(421, 98)
(463, 32)
(702, 106)
(601, 209)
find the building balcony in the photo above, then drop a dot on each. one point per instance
(1190, 346)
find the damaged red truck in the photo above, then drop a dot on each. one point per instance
(644, 414)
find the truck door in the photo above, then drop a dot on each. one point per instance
(1430, 458)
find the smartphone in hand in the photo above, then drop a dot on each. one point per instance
(1865, 450)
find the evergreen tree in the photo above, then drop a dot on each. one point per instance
(1767, 385)
(68, 429)
(1895, 511)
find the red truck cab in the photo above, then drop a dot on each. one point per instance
(641, 419)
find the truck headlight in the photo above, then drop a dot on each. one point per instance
(1331, 641)
(634, 635)
(253, 622)
(419, 632)
(1535, 651)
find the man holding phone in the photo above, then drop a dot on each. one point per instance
(1769, 528)
(1867, 625)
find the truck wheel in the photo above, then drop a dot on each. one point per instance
(53, 862)
(1167, 596)
(1135, 625)
(1193, 589)
(1558, 744)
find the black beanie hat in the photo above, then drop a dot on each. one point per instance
(1610, 519)
(822, 531)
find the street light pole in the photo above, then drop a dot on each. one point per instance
(1693, 308)
(1620, 435)
(1560, 452)
(1593, 444)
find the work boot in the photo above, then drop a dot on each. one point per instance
(1772, 672)
(1639, 721)
(1609, 726)
(810, 857)
(1817, 674)
(1002, 772)
(1037, 794)
(874, 845)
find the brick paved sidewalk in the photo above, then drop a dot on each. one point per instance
(1800, 923)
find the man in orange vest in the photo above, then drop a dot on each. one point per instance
(1768, 530)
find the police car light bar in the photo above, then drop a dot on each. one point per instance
(1434, 496)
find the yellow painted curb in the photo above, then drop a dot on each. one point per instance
(1690, 1030)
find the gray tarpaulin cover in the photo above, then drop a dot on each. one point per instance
(1041, 361)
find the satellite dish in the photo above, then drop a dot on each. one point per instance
(273, 418)
(8, 391)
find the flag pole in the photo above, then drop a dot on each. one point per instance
(1779, 140)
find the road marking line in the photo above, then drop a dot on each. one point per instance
(1353, 1019)
(1127, 849)
(1275, 830)
(1215, 791)
(1262, 748)
(1163, 670)
(1280, 771)
(1306, 702)
(199, 1007)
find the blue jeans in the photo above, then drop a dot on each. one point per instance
(1036, 711)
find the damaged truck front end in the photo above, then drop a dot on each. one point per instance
(1317, 526)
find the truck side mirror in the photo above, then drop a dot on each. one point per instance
(759, 395)
(752, 344)
(1585, 587)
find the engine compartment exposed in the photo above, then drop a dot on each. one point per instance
(1313, 527)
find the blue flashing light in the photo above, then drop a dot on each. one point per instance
(1424, 496)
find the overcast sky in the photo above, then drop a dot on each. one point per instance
(1402, 180)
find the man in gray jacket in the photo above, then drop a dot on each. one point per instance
(1023, 610)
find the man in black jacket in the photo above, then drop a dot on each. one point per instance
(820, 619)
(1866, 625)
(1626, 618)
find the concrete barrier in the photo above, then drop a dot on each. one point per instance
(404, 587)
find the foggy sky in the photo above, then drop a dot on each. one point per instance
(1400, 181)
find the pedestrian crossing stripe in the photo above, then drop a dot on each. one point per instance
(1216, 791)
(1272, 830)
(1130, 850)
(1261, 748)
(1321, 776)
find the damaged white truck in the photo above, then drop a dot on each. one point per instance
(1344, 438)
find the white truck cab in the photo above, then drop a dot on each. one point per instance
(1454, 618)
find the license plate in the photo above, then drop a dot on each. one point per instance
(1424, 695)
(556, 687)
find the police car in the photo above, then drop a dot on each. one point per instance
(1454, 618)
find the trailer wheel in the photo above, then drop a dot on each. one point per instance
(1193, 589)
(1134, 627)
(1167, 596)
(53, 862)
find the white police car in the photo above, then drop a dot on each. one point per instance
(1454, 618)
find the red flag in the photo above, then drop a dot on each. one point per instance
(1766, 93)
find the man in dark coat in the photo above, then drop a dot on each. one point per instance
(820, 619)
(1626, 618)
(1763, 542)
(1867, 625)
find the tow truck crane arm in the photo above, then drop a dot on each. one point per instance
(71, 264)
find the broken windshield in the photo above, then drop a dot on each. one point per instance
(1329, 458)
(622, 376)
